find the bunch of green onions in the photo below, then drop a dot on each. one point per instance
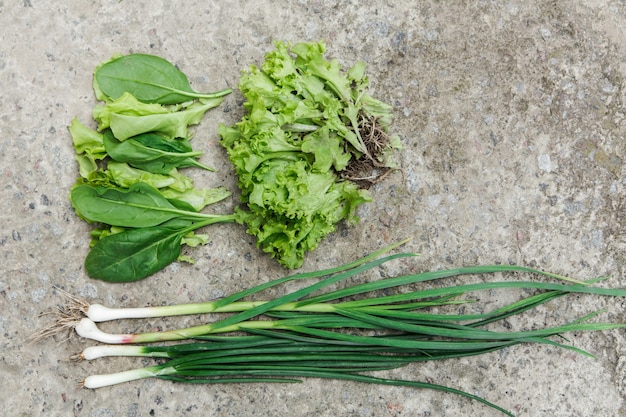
(336, 334)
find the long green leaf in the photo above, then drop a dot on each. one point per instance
(308, 275)
(255, 311)
(424, 277)
(139, 206)
(470, 333)
(218, 377)
(403, 311)
(439, 345)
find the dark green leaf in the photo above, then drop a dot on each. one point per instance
(181, 205)
(179, 145)
(149, 78)
(135, 253)
(139, 206)
(152, 152)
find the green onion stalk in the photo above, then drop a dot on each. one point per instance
(332, 333)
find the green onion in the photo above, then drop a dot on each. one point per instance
(321, 332)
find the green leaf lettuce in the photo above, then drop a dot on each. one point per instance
(301, 132)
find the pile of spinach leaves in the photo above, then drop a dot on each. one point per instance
(129, 181)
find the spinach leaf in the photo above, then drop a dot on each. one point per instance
(180, 145)
(149, 78)
(134, 254)
(152, 152)
(137, 253)
(141, 205)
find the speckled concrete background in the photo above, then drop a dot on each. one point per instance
(512, 118)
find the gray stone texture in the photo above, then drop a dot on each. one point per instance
(512, 118)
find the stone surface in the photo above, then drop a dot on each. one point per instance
(513, 122)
